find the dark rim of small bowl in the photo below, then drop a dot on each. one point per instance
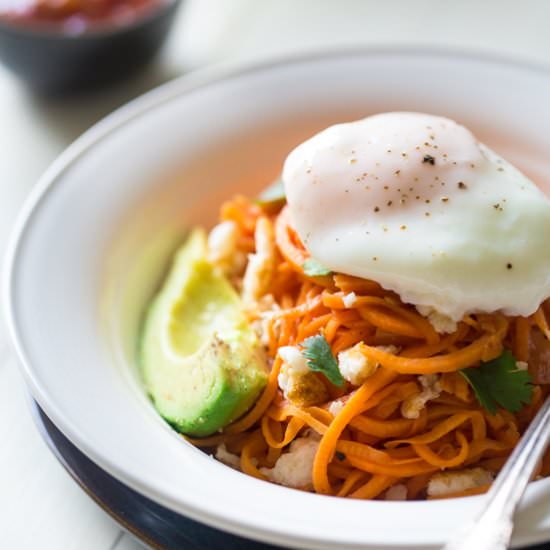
(53, 31)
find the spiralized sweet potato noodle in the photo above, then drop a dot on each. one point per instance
(369, 446)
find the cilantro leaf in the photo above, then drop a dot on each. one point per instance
(312, 268)
(320, 359)
(481, 389)
(500, 382)
(273, 196)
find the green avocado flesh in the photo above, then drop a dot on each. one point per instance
(202, 363)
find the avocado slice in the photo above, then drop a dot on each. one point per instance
(202, 363)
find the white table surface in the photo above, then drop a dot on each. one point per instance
(40, 506)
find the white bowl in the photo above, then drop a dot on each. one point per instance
(94, 238)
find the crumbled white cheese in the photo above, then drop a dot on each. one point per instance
(522, 365)
(431, 389)
(222, 240)
(222, 244)
(447, 483)
(294, 366)
(355, 367)
(294, 468)
(396, 492)
(335, 407)
(223, 455)
(264, 310)
(349, 299)
(440, 322)
(298, 383)
(261, 265)
(294, 358)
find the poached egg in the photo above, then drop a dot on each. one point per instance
(417, 204)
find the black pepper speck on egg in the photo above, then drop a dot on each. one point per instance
(428, 159)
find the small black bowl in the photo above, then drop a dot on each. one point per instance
(52, 62)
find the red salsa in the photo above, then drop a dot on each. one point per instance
(76, 16)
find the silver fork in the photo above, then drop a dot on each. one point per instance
(492, 529)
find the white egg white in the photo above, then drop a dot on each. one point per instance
(416, 203)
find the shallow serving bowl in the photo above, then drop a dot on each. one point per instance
(95, 237)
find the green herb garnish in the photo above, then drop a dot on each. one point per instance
(273, 196)
(320, 359)
(500, 382)
(312, 268)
